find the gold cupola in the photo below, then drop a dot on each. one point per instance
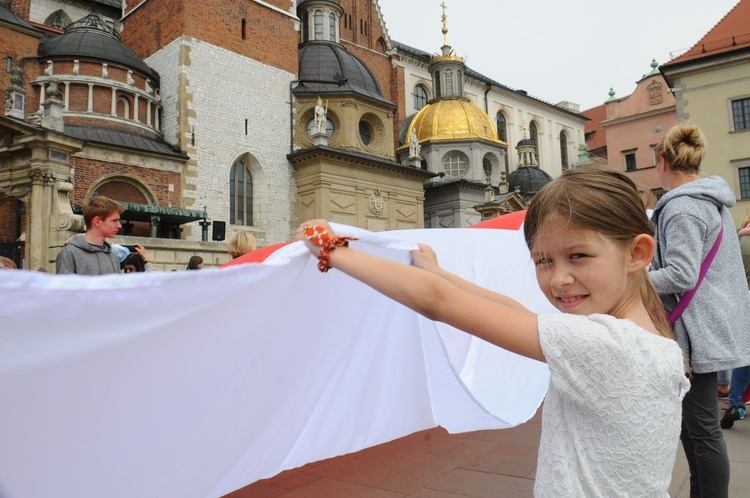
(454, 119)
(450, 116)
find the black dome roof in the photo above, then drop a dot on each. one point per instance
(327, 68)
(528, 179)
(302, 2)
(90, 38)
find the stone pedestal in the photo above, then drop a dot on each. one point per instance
(320, 139)
(414, 161)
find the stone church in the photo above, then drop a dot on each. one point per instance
(207, 118)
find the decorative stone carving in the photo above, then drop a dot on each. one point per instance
(654, 93)
(66, 221)
(8, 101)
(50, 68)
(35, 118)
(53, 90)
(377, 203)
(15, 95)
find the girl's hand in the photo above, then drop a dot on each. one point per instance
(300, 234)
(425, 258)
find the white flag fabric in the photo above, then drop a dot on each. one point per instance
(197, 383)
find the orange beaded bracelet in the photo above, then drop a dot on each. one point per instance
(320, 237)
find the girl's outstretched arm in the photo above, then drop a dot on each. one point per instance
(437, 298)
(426, 259)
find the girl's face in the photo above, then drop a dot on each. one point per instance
(580, 271)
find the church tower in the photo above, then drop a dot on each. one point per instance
(343, 138)
(458, 143)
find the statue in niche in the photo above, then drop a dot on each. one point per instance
(321, 121)
(414, 147)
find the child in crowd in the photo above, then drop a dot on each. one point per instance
(195, 263)
(241, 243)
(611, 418)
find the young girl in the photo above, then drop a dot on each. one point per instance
(611, 417)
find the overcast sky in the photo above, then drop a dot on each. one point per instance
(574, 50)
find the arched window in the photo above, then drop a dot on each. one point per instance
(502, 127)
(438, 92)
(460, 83)
(240, 194)
(455, 164)
(534, 133)
(123, 108)
(448, 82)
(318, 24)
(306, 26)
(564, 150)
(58, 19)
(332, 27)
(420, 97)
(382, 47)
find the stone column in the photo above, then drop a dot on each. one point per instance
(155, 220)
(91, 98)
(38, 218)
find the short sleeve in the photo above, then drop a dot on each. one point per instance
(584, 358)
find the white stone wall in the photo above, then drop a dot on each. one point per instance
(213, 92)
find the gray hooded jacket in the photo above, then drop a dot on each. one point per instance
(714, 330)
(78, 256)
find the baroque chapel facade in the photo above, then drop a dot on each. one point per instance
(199, 117)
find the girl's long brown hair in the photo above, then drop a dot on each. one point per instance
(607, 201)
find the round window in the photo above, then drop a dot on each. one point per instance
(455, 164)
(487, 166)
(365, 132)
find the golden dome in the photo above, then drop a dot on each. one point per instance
(452, 119)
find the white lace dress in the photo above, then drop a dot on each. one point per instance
(612, 415)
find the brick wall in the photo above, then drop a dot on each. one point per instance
(89, 172)
(9, 215)
(21, 8)
(17, 45)
(271, 37)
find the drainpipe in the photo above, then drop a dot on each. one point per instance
(486, 103)
(292, 84)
